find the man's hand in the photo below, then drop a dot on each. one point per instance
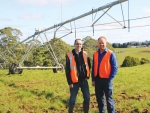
(93, 83)
(71, 85)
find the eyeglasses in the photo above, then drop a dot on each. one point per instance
(78, 44)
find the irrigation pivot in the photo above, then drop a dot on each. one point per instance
(17, 68)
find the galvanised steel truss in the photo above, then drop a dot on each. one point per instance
(17, 68)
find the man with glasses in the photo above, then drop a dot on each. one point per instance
(77, 72)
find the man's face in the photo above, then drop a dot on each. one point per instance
(102, 44)
(78, 45)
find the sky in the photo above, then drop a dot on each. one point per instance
(29, 15)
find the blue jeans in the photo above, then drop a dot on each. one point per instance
(104, 86)
(85, 91)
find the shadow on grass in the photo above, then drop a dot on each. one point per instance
(39, 94)
(43, 93)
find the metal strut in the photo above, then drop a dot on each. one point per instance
(115, 19)
(100, 16)
(54, 56)
(26, 53)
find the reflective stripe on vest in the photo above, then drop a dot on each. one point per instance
(73, 67)
(85, 57)
(105, 67)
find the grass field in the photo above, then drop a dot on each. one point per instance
(42, 91)
(134, 52)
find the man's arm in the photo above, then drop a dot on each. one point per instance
(67, 70)
(92, 73)
(114, 66)
(89, 63)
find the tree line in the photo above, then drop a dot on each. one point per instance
(131, 44)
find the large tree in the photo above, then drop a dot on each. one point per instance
(8, 37)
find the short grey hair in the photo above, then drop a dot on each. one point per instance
(76, 40)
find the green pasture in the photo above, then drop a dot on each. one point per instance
(42, 91)
(121, 53)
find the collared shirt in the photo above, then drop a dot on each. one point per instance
(113, 63)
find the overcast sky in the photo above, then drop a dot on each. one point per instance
(26, 15)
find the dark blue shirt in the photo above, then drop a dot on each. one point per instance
(113, 63)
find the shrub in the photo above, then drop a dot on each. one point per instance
(144, 61)
(130, 61)
(135, 61)
(127, 62)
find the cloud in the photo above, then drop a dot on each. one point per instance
(59, 2)
(45, 2)
(31, 16)
(34, 2)
(146, 10)
(5, 19)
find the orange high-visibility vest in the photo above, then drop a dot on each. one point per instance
(105, 67)
(73, 67)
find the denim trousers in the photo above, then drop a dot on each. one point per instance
(74, 91)
(103, 86)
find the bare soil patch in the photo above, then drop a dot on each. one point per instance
(146, 51)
